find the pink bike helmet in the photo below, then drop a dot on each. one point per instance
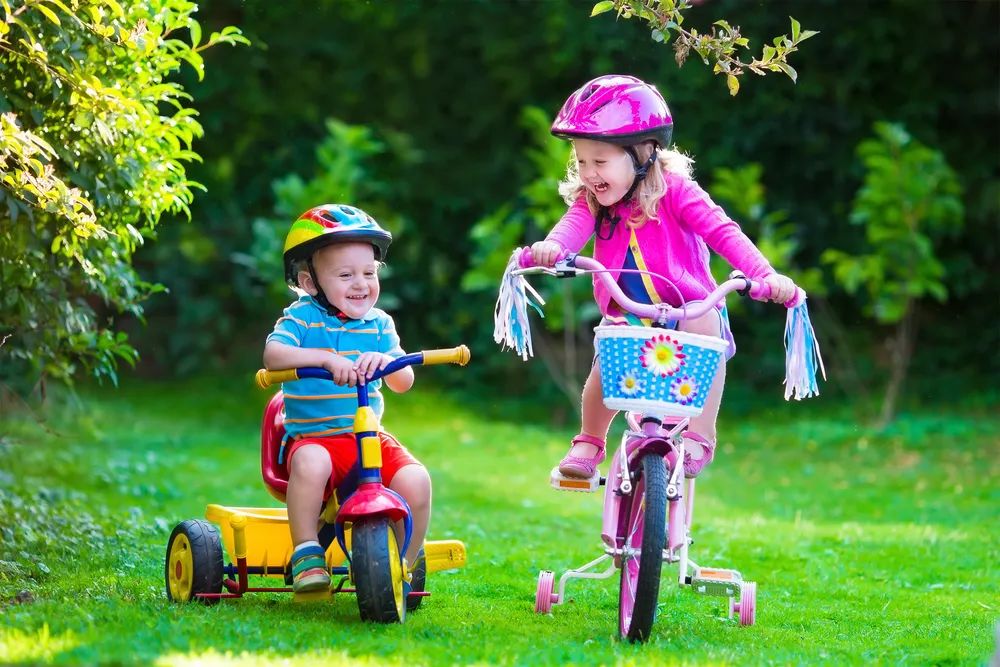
(618, 109)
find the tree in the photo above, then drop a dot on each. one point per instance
(94, 137)
(910, 200)
(718, 47)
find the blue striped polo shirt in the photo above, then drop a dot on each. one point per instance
(320, 407)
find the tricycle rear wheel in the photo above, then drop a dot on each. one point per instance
(194, 561)
(378, 571)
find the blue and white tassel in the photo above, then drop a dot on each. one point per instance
(802, 355)
(511, 328)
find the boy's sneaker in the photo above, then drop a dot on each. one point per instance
(309, 571)
(418, 581)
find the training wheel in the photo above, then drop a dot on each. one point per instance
(747, 606)
(544, 597)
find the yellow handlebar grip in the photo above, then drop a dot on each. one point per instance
(266, 378)
(456, 355)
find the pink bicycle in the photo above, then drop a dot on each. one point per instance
(660, 377)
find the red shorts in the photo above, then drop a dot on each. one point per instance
(343, 450)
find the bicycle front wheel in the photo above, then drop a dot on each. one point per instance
(642, 557)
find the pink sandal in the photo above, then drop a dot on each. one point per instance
(693, 466)
(583, 466)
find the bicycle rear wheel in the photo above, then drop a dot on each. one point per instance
(642, 558)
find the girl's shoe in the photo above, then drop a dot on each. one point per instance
(694, 466)
(583, 466)
(309, 571)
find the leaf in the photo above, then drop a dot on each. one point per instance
(601, 7)
(787, 69)
(115, 7)
(795, 29)
(49, 14)
(733, 83)
(60, 5)
(195, 29)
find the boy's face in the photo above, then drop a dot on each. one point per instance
(348, 274)
(605, 169)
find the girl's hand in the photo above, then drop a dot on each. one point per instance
(782, 287)
(545, 253)
(368, 363)
(342, 369)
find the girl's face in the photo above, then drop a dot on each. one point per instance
(348, 274)
(605, 169)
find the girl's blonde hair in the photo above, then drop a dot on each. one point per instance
(648, 193)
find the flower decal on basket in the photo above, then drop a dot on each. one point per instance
(629, 384)
(662, 355)
(683, 390)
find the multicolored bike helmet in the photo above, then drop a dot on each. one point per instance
(327, 224)
(616, 108)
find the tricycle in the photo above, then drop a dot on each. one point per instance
(357, 532)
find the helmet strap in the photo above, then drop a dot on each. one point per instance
(320, 297)
(640, 169)
(604, 215)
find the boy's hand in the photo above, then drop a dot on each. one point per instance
(782, 287)
(545, 253)
(342, 369)
(368, 363)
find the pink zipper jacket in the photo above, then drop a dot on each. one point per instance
(675, 244)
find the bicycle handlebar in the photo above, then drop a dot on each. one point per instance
(455, 355)
(569, 264)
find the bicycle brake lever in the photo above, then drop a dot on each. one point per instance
(565, 267)
(740, 275)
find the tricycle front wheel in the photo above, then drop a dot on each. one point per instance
(378, 571)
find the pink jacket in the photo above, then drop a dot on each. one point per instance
(674, 245)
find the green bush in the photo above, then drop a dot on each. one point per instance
(94, 141)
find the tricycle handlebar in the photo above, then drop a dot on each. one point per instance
(455, 355)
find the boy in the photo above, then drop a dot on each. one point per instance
(332, 255)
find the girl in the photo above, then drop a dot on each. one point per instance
(627, 187)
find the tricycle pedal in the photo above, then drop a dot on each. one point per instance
(313, 596)
(585, 485)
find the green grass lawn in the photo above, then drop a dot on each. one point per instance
(866, 547)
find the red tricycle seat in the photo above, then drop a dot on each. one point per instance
(272, 431)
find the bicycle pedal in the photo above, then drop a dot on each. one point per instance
(716, 581)
(584, 485)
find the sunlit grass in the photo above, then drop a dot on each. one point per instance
(866, 547)
(31, 647)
